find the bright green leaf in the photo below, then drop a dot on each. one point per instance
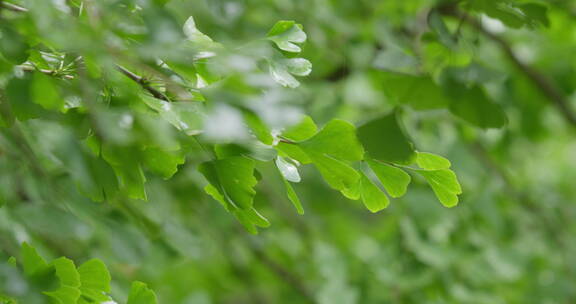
(141, 294)
(429, 161)
(303, 130)
(372, 197)
(293, 197)
(337, 173)
(445, 185)
(95, 280)
(394, 179)
(337, 139)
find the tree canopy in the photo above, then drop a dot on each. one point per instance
(276, 151)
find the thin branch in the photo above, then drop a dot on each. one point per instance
(27, 68)
(143, 83)
(13, 7)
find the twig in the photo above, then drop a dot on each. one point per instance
(143, 83)
(13, 7)
(139, 79)
(26, 68)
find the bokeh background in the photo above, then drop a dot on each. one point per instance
(511, 239)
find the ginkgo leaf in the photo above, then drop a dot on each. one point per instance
(445, 185)
(293, 151)
(69, 290)
(473, 106)
(185, 116)
(298, 66)
(193, 34)
(293, 197)
(338, 174)
(429, 161)
(303, 130)
(337, 139)
(66, 272)
(258, 127)
(32, 262)
(141, 294)
(287, 35)
(163, 162)
(233, 179)
(251, 219)
(384, 139)
(281, 75)
(282, 70)
(372, 197)
(394, 179)
(95, 280)
(64, 294)
(419, 92)
(45, 92)
(14, 46)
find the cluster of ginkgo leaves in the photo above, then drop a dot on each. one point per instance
(108, 165)
(65, 283)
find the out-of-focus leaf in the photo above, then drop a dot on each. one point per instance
(383, 139)
(419, 92)
(439, 27)
(163, 162)
(298, 66)
(233, 179)
(536, 13)
(45, 92)
(472, 105)
(251, 219)
(280, 74)
(286, 35)
(184, 115)
(193, 34)
(126, 165)
(13, 46)
(258, 127)
(19, 94)
(289, 171)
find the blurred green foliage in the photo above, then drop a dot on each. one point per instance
(150, 140)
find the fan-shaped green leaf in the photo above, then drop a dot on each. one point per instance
(394, 179)
(372, 197)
